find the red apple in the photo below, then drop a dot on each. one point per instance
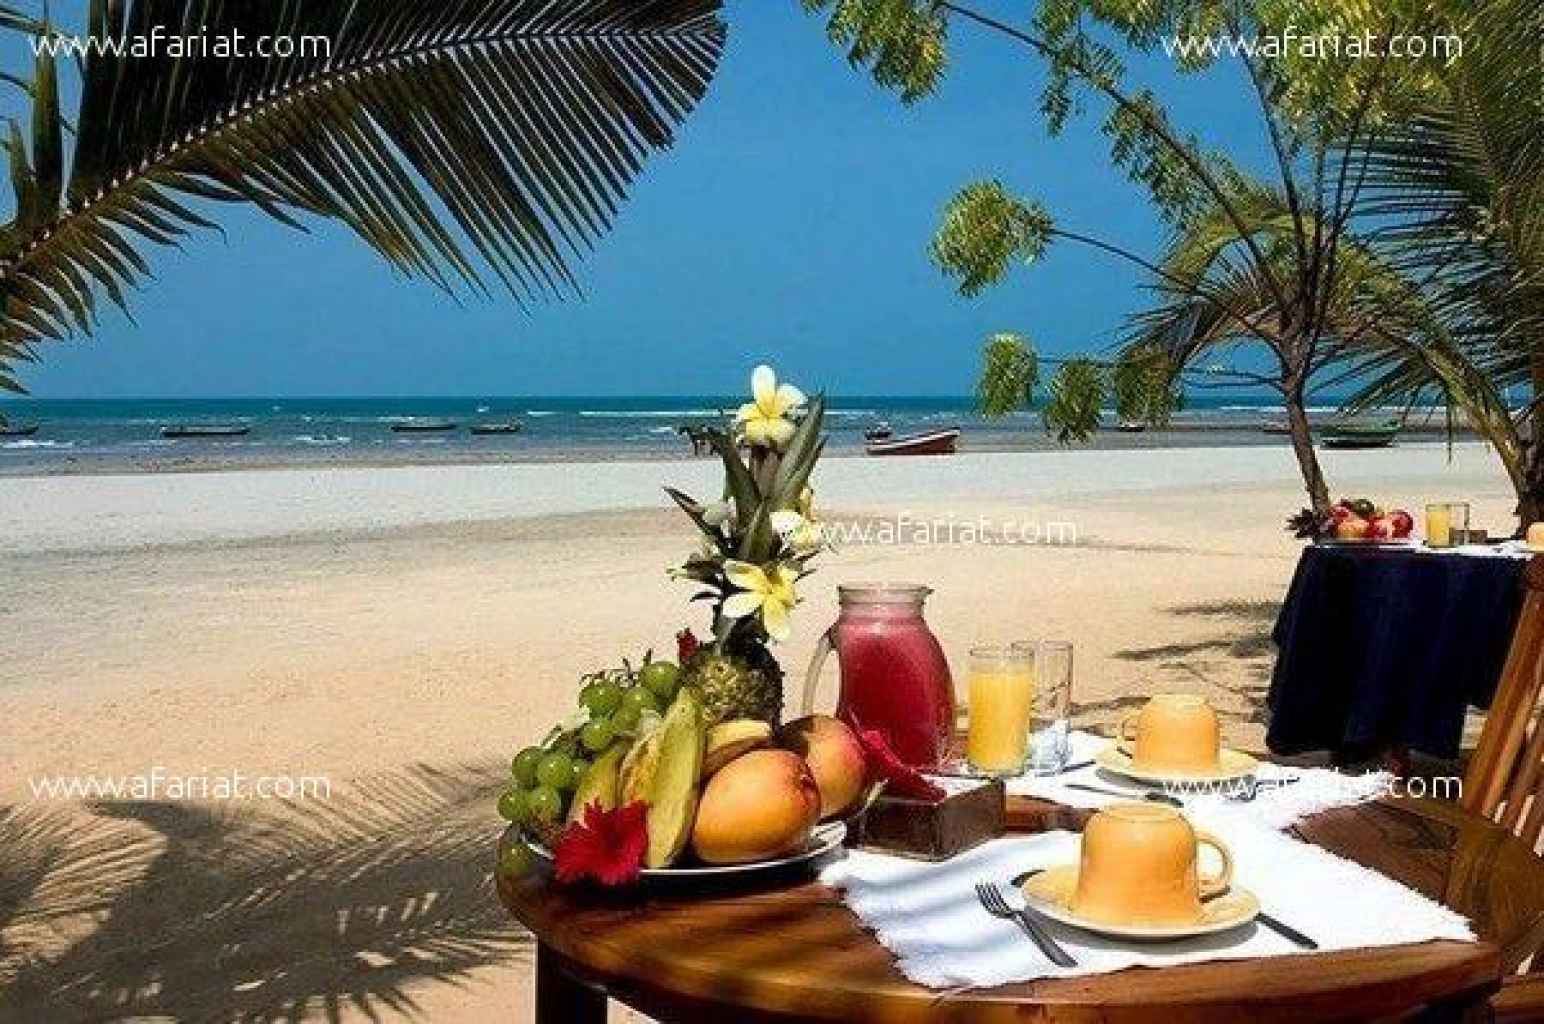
(1381, 529)
(1404, 523)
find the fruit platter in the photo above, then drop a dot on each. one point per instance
(682, 769)
(1358, 521)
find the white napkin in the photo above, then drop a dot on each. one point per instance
(1307, 792)
(928, 916)
(1505, 549)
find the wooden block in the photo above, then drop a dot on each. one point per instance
(971, 812)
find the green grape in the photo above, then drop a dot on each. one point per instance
(625, 720)
(597, 735)
(556, 771)
(544, 804)
(524, 767)
(639, 699)
(603, 698)
(661, 678)
(513, 805)
(515, 859)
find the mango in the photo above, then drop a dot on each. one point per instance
(761, 805)
(835, 757)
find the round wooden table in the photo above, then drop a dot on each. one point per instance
(798, 954)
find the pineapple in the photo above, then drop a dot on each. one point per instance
(744, 684)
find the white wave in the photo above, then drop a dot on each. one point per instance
(323, 440)
(615, 414)
(662, 430)
(28, 443)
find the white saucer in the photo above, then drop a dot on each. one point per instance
(1050, 893)
(1231, 765)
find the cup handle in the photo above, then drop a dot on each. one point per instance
(823, 650)
(1125, 743)
(1211, 885)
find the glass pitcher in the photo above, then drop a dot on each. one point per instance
(895, 679)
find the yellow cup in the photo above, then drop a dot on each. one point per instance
(1173, 732)
(1141, 866)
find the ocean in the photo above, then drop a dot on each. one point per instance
(105, 434)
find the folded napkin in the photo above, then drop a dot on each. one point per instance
(928, 916)
(1296, 794)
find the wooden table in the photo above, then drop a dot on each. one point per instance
(800, 955)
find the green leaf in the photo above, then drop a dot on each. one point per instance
(475, 143)
(739, 483)
(1076, 398)
(984, 231)
(1010, 370)
(803, 452)
(904, 43)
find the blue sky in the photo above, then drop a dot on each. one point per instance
(788, 225)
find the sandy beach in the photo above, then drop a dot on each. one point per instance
(401, 632)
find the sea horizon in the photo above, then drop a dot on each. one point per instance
(120, 434)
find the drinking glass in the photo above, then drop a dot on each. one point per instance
(1001, 686)
(1050, 712)
(1445, 523)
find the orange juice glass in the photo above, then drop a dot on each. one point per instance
(1001, 697)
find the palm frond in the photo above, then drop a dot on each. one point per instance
(464, 140)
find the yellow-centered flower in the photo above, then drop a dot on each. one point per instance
(802, 536)
(765, 420)
(768, 591)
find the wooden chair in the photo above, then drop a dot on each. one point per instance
(1505, 780)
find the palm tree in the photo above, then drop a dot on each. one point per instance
(479, 144)
(1456, 204)
(1271, 264)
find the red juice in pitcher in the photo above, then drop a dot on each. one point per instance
(895, 679)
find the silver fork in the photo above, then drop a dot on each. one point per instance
(993, 900)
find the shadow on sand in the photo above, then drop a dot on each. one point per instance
(1240, 643)
(251, 911)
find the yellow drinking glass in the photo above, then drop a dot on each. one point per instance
(1001, 698)
(1446, 523)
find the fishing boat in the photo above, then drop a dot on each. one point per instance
(190, 431)
(485, 429)
(934, 442)
(878, 432)
(19, 429)
(1276, 427)
(1131, 426)
(416, 426)
(1360, 435)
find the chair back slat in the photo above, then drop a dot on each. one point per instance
(1505, 775)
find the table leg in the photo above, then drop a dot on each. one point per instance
(560, 997)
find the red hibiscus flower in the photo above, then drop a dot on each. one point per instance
(900, 778)
(607, 846)
(686, 645)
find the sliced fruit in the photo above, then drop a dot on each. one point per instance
(663, 772)
(601, 783)
(728, 740)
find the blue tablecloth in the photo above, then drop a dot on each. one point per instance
(1384, 648)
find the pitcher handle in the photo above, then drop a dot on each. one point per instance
(823, 650)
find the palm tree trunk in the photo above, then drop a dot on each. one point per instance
(1302, 447)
